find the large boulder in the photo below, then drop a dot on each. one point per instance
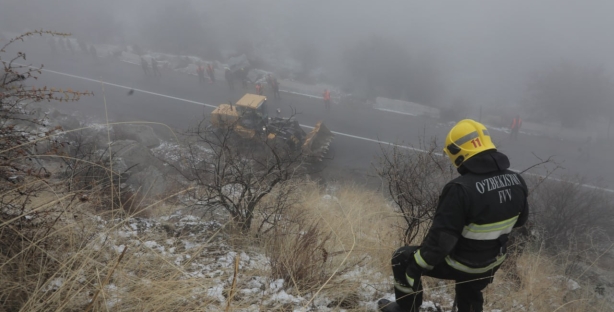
(141, 133)
(130, 154)
(146, 173)
(68, 122)
(149, 182)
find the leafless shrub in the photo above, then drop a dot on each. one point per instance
(414, 178)
(20, 126)
(567, 209)
(31, 203)
(270, 212)
(235, 174)
(89, 171)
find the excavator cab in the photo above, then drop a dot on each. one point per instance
(248, 118)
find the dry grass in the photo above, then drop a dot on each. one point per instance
(329, 238)
(543, 285)
(345, 239)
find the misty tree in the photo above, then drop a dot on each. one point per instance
(389, 70)
(307, 54)
(571, 93)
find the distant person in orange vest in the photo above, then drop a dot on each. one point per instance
(327, 99)
(516, 124)
(211, 73)
(259, 88)
(201, 73)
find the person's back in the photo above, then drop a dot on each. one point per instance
(495, 195)
(468, 236)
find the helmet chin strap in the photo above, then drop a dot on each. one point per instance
(459, 161)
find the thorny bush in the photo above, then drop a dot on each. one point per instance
(414, 180)
(236, 174)
(29, 208)
(562, 211)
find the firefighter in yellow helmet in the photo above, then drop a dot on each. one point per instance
(468, 237)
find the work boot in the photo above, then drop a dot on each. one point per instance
(385, 305)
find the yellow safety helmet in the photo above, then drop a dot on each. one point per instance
(466, 139)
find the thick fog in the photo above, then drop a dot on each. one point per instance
(487, 53)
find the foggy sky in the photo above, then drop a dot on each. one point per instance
(485, 49)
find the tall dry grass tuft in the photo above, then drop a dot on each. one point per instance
(334, 245)
(542, 284)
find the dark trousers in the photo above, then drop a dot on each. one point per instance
(468, 286)
(514, 133)
(276, 92)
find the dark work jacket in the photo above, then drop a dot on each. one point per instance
(485, 193)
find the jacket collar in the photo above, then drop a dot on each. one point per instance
(485, 162)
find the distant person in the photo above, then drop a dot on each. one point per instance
(211, 73)
(201, 73)
(326, 97)
(515, 127)
(243, 76)
(271, 81)
(259, 88)
(145, 66)
(275, 86)
(229, 79)
(154, 67)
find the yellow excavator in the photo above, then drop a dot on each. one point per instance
(249, 119)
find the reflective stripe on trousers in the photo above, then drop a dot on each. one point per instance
(463, 268)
